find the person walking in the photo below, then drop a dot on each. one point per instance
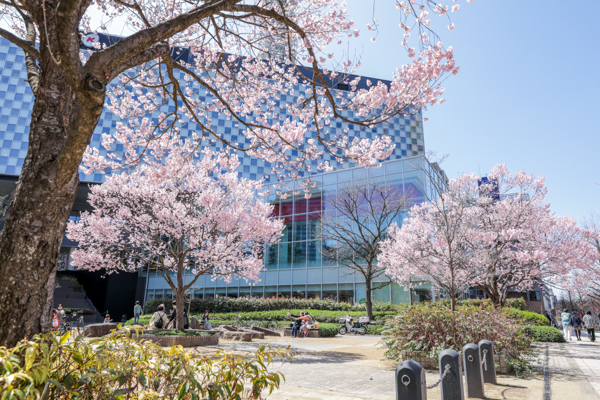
(576, 324)
(565, 318)
(137, 312)
(590, 325)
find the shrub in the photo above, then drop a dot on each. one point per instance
(328, 330)
(433, 328)
(281, 315)
(517, 303)
(242, 304)
(546, 334)
(118, 367)
(527, 317)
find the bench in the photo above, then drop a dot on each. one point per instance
(312, 332)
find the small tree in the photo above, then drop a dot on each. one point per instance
(354, 225)
(177, 217)
(431, 243)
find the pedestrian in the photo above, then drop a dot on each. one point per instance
(62, 315)
(576, 324)
(173, 318)
(590, 325)
(137, 312)
(206, 320)
(159, 319)
(565, 318)
(107, 319)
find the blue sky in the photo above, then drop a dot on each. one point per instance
(526, 95)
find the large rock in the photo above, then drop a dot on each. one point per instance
(255, 334)
(97, 330)
(174, 340)
(267, 332)
(241, 336)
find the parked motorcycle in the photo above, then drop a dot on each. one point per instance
(348, 325)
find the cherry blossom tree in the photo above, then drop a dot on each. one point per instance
(177, 217)
(233, 70)
(517, 240)
(431, 243)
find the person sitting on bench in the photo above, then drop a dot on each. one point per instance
(297, 323)
(308, 324)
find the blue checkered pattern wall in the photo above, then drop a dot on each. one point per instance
(16, 100)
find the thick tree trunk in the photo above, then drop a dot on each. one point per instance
(369, 301)
(62, 123)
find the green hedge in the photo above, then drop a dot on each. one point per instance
(546, 334)
(228, 305)
(328, 330)
(518, 303)
(318, 315)
(527, 317)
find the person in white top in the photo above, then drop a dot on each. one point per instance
(590, 325)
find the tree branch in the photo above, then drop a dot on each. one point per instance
(23, 44)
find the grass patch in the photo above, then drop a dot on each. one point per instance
(546, 334)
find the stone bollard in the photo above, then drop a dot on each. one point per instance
(452, 382)
(473, 374)
(486, 350)
(410, 381)
(194, 323)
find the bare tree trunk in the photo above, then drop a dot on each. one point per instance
(452, 300)
(62, 123)
(369, 301)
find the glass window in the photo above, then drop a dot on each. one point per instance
(287, 207)
(329, 193)
(285, 255)
(376, 171)
(287, 230)
(360, 173)
(346, 292)
(199, 294)
(270, 291)
(329, 179)
(313, 291)
(399, 295)
(299, 291)
(414, 184)
(284, 291)
(168, 294)
(314, 203)
(271, 256)
(299, 204)
(313, 254)
(245, 291)
(150, 295)
(300, 227)
(392, 168)
(329, 253)
(382, 295)
(330, 292)
(232, 292)
(300, 255)
(209, 294)
(257, 291)
(313, 228)
(344, 176)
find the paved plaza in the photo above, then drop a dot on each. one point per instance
(352, 367)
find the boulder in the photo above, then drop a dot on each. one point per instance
(241, 336)
(97, 330)
(267, 332)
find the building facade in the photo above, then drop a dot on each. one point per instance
(295, 267)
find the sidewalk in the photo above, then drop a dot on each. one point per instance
(586, 356)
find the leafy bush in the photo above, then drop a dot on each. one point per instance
(318, 315)
(433, 328)
(527, 317)
(242, 304)
(546, 334)
(80, 311)
(328, 330)
(517, 303)
(118, 367)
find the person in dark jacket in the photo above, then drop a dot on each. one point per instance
(173, 317)
(297, 323)
(576, 323)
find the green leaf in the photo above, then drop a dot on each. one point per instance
(142, 379)
(184, 389)
(29, 357)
